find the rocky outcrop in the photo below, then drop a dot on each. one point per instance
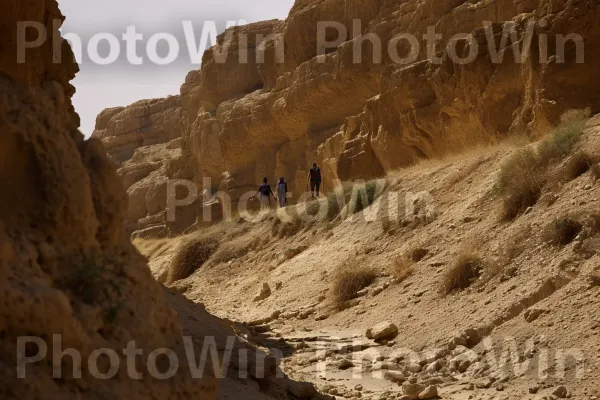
(35, 64)
(144, 141)
(362, 112)
(68, 269)
(74, 292)
(69, 276)
(145, 123)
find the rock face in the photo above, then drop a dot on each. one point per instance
(144, 142)
(288, 106)
(66, 266)
(70, 279)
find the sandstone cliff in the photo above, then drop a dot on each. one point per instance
(241, 121)
(66, 266)
(69, 275)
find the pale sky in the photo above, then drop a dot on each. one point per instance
(121, 83)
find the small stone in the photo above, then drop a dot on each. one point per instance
(433, 367)
(264, 292)
(414, 368)
(429, 393)
(395, 376)
(412, 389)
(383, 330)
(534, 389)
(345, 364)
(561, 392)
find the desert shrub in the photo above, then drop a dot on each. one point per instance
(365, 195)
(524, 174)
(290, 227)
(192, 255)
(403, 268)
(337, 199)
(577, 165)
(233, 250)
(562, 231)
(151, 248)
(465, 271)
(564, 137)
(96, 280)
(349, 280)
(520, 183)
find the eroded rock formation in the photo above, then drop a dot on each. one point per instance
(360, 118)
(70, 279)
(67, 268)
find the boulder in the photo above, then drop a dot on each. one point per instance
(429, 393)
(412, 389)
(395, 376)
(383, 330)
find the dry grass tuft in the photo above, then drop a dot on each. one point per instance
(577, 165)
(287, 222)
(466, 271)
(192, 255)
(365, 195)
(403, 268)
(564, 137)
(151, 248)
(234, 249)
(525, 173)
(562, 231)
(520, 183)
(349, 280)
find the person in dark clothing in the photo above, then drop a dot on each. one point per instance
(265, 191)
(282, 190)
(314, 177)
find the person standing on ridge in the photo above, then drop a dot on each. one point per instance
(282, 191)
(314, 176)
(265, 192)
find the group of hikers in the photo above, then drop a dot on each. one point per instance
(265, 191)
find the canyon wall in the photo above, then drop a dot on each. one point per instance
(67, 268)
(360, 115)
(74, 291)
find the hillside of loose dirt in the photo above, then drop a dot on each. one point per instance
(455, 264)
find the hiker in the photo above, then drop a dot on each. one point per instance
(314, 176)
(265, 192)
(282, 192)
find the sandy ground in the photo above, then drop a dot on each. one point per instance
(541, 311)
